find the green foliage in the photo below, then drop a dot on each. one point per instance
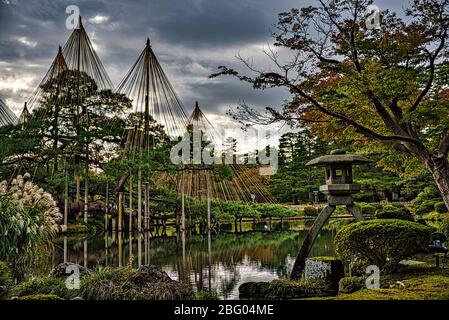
(5, 277)
(124, 284)
(28, 221)
(206, 295)
(440, 207)
(426, 206)
(428, 193)
(310, 212)
(368, 210)
(284, 289)
(382, 242)
(351, 284)
(394, 212)
(44, 286)
(444, 227)
(40, 297)
(294, 182)
(230, 210)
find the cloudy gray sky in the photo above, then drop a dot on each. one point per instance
(190, 37)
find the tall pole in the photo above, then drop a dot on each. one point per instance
(66, 197)
(139, 201)
(120, 211)
(106, 211)
(209, 238)
(130, 202)
(146, 205)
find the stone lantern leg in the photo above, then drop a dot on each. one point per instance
(338, 189)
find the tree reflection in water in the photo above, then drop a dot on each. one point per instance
(229, 260)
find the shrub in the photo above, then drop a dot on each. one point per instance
(440, 207)
(426, 206)
(5, 277)
(28, 221)
(432, 216)
(284, 289)
(428, 193)
(382, 242)
(206, 295)
(368, 210)
(393, 212)
(444, 227)
(40, 297)
(351, 284)
(44, 286)
(147, 283)
(310, 212)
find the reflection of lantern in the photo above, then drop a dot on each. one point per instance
(338, 189)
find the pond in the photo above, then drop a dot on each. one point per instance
(222, 264)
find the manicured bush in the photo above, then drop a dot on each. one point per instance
(433, 216)
(206, 295)
(440, 207)
(368, 210)
(310, 212)
(382, 242)
(351, 284)
(428, 193)
(426, 206)
(393, 212)
(284, 289)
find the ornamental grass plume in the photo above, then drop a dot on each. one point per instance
(29, 219)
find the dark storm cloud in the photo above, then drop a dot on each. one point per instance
(190, 37)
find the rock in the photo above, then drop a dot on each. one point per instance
(149, 274)
(255, 290)
(328, 269)
(65, 269)
(147, 283)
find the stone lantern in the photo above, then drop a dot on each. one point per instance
(338, 189)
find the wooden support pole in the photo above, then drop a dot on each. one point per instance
(85, 255)
(65, 249)
(106, 211)
(120, 249)
(66, 199)
(146, 206)
(139, 201)
(120, 211)
(130, 203)
(139, 249)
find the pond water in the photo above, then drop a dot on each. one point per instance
(222, 264)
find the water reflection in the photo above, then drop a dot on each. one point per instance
(220, 262)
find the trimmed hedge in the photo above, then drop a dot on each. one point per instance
(351, 284)
(310, 212)
(394, 212)
(382, 242)
(368, 210)
(426, 206)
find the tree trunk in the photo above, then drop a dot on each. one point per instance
(438, 166)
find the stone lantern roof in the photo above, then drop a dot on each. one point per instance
(337, 157)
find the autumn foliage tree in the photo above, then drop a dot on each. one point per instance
(387, 86)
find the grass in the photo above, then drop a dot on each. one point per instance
(421, 283)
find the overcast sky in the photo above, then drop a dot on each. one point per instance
(190, 37)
